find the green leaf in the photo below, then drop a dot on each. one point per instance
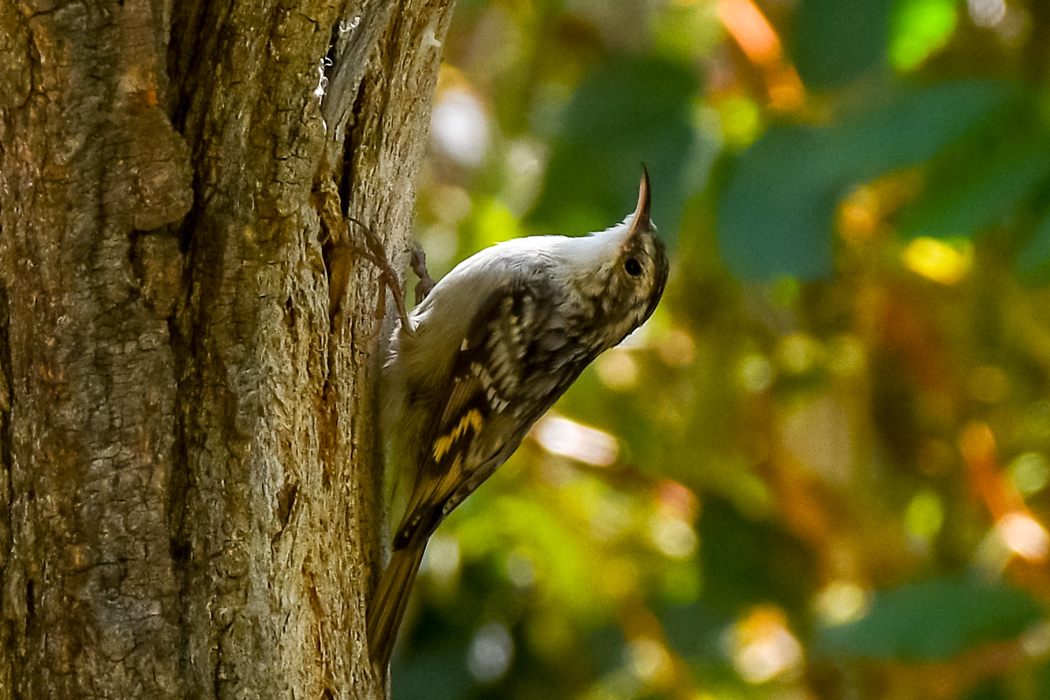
(776, 210)
(972, 198)
(1042, 681)
(629, 111)
(835, 42)
(920, 27)
(694, 630)
(436, 675)
(934, 619)
(738, 572)
(1033, 263)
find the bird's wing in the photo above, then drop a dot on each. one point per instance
(513, 363)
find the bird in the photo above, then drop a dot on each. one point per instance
(488, 351)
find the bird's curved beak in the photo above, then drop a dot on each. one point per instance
(641, 221)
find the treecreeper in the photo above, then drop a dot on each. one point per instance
(482, 358)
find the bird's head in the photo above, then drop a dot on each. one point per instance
(626, 270)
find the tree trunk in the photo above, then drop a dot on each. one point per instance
(190, 486)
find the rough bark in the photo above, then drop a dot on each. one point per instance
(189, 482)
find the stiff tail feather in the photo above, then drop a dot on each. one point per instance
(390, 601)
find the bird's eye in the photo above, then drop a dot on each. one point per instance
(633, 267)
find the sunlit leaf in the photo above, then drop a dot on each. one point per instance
(934, 619)
(920, 27)
(776, 211)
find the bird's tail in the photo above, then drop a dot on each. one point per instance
(389, 602)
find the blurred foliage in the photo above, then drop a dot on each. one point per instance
(821, 469)
(804, 172)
